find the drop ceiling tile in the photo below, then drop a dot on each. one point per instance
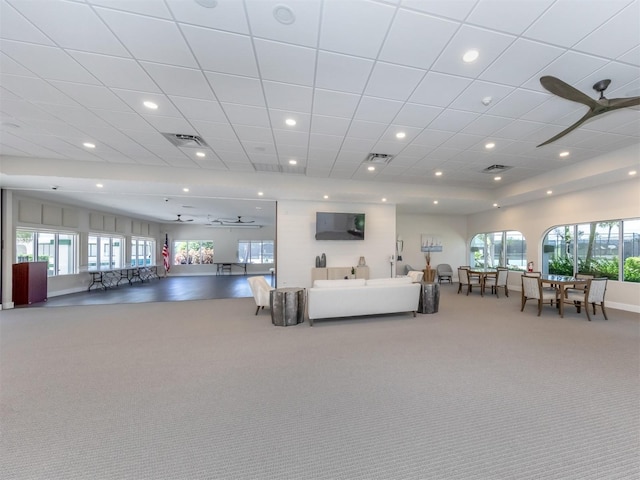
(197, 109)
(218, 135)
(219, 145)
(143, 7)
(571, 67)
(567, 22)
(303, 31)
(247, 115)
(356, 144)
(410, 33)
(632, 56)
(623, 79)
(34, 90)
(510, 17)
(276, 59)
(227, 15)
(363, 38)
(415, 115)
(517, 103)
(236, 57)
(22, 110)
(30, 148)
(149, 38)
(48, 62)
(410, 133)
(72, 25)
(8, 65)
(288, 137)
(236, 161)
(254, 134)
(287, 152)
(136, 100)
(56, 128)
(184, 82)
(551, 110)
(236, 89)
(288, 97)
(486, 125)
(405, 80)
(377, 109)
(457, 10)
(489, 44)
(439, 90)
(124, 120)
(364, 129)
(91, 96)
(116, 72)
(453, 120)
(14, 26)
(520, 61)
(390, 148)
(518, 129)
(329, 125)
(432, 137)
(334, 104)
(342, 72)
(170, 124)
(322, 158)
(256, 155)
(471, 99)
(331, 142)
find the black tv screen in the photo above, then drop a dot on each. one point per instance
(339, 226)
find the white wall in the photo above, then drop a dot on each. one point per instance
(297, 247)
(451, 229)
(534, 219)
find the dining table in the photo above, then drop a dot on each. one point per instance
(561, 282)
(483, 273)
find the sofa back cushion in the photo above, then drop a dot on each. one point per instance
(389, 281)
(356, 282)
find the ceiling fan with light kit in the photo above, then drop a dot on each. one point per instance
(596, 107)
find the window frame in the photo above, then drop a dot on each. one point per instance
(251, 243)
(204, 257)
(106, 249)
(501, 255)
(53, 269)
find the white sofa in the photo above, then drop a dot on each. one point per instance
(347, 298)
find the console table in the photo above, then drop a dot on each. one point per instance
(337, 273)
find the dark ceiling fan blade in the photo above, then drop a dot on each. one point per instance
(566, 91)
(587, 116)
(616, 103)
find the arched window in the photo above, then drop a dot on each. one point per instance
(497, 249)
(609, 248)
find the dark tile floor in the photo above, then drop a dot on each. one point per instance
(170, 289)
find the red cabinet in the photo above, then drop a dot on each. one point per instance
(29, 282)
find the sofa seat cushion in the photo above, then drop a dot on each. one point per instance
(389, 281)
(356, 282)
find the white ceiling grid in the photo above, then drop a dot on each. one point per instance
(351, 73)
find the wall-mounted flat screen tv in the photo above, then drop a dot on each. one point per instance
(339, 226)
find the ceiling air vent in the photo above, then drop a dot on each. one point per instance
(273, 168)
(495, 169)
(378, 158)
(184, 140)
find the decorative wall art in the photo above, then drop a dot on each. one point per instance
(431, 243)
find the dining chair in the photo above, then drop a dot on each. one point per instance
(593, 294)
(497, 281)
(532, 290)
(260, 289)
(532, 274)
(465, 279)
(579, 288)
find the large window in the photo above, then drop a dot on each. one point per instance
(255, 251)
(105, 252)
(56, 248)
(143, 252)
(608, 249)
(497, 249)
(192, 252)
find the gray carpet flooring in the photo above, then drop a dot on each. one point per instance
(206, 390)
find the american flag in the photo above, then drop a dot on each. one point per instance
(165, 253)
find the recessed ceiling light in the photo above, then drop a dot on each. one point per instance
(151, 105)
(326, 197)
(99, 185)
(200, 154)
(489, 145)
(435, 202)
(371, 168)
(438, 174)
(89, 145)
(207, 3)
(384, 199)
(470, 56)
(293, 162)
(495, 204)
(290, 121)
(497, 179)
(260, 194)
(284, 14)
(632, 172)
(549, 192)
(401, 135)
(185, 189)
(563, 154)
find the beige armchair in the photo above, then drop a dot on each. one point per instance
(260, 289)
